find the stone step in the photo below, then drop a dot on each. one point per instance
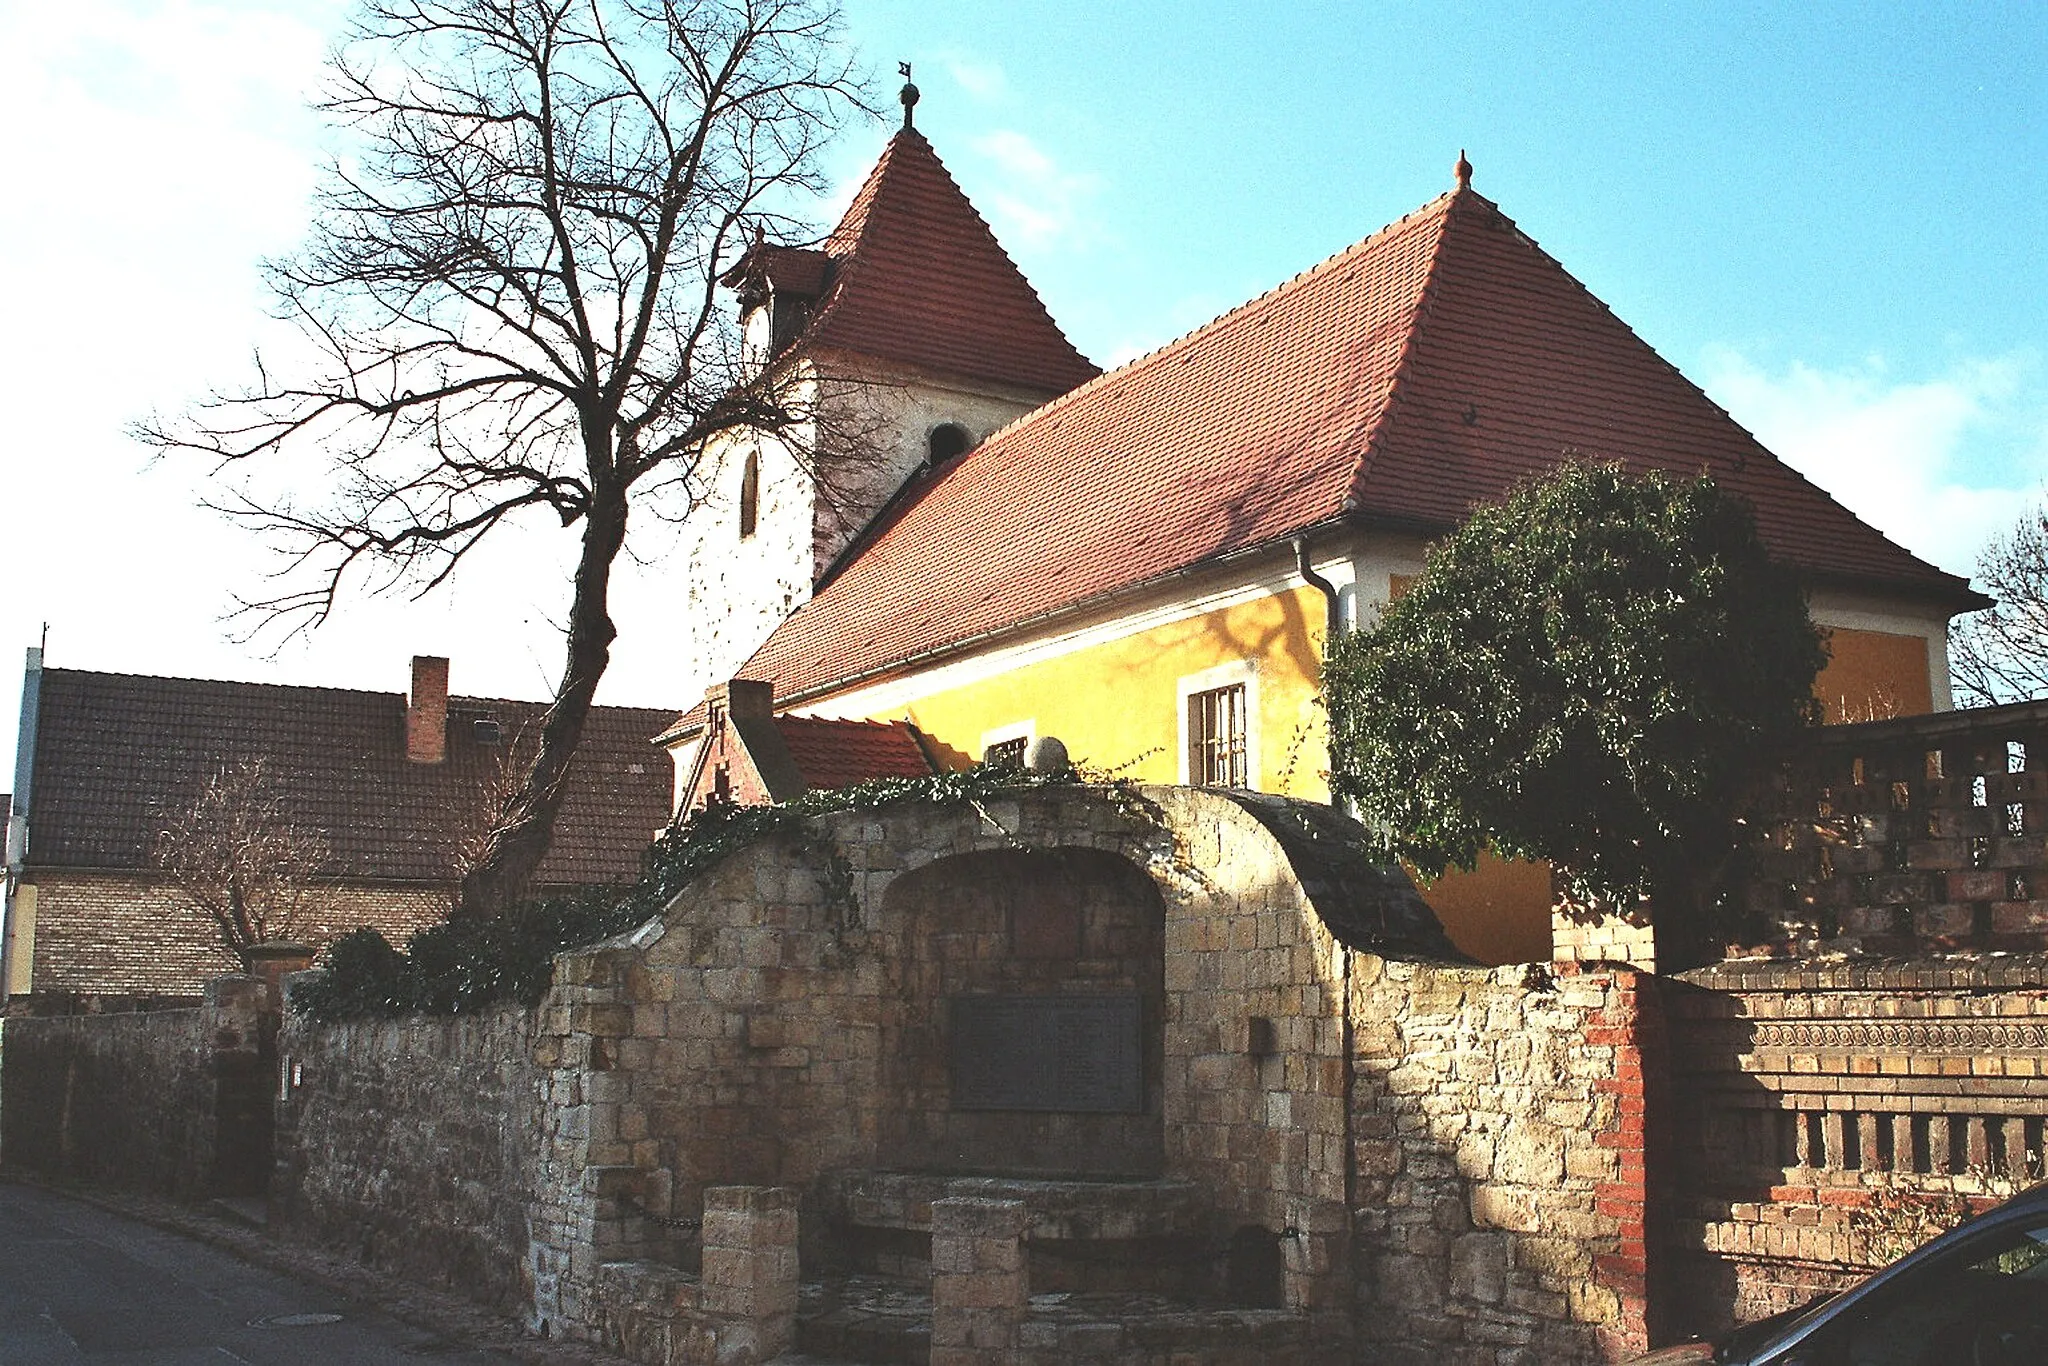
(1067, 1210)
(875, 1321)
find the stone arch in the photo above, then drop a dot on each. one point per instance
(1027, 1034)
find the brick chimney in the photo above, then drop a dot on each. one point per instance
(743, 699)
(426, 714)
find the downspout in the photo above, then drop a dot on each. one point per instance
(1333, 611)
(1333, 627)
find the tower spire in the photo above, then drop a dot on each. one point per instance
(909, 94)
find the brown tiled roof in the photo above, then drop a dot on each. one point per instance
(921, 280)
(840, 753)
(117, 755)
(1425, 370)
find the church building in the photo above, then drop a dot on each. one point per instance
(1146, 563)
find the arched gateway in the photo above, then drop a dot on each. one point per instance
(1121, 1012)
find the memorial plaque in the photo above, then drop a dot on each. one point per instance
(1077, 1054)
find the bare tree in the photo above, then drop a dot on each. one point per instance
(244, 861)
(2000, 654)
(511, 299)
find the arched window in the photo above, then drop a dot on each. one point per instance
(947, 440)
(750, 495)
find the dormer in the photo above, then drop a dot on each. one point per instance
(778, 289)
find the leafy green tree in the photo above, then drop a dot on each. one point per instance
(1593, 673)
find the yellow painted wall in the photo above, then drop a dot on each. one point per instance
(1873, 675)
(1116, 705)
(1499, 912)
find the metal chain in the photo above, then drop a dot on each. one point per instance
(632, 1206)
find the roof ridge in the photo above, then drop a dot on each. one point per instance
(217, 682)
(326, 689)
(1377, 423)
(1216, 323)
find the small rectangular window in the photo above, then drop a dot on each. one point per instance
(1216, 737)
(1005, 754)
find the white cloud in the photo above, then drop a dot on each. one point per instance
(984, 80)
(1033, 200)
(1937, 463)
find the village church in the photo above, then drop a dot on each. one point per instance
(1145, 563)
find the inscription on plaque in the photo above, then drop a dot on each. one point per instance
(1081, 1054)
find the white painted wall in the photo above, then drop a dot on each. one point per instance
(732, 592)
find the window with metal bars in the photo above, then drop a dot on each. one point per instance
(1005, 753)
(1216, 744)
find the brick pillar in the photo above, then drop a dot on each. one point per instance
(1632, 1026)
(1603, 935)
(274, 960)
(241, 1019)
(980, 1287)
(750, 1270)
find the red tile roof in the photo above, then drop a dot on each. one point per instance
(921, 280)
(1427, 369)
(841, 753)
(119, 754)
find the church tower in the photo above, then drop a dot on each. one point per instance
(913, 336)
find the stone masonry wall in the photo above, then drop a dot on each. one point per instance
(1803, 1092)
(170, 1102)
(1019, 922)
(411, 1145)
(744, 1039)
(1499, 1126)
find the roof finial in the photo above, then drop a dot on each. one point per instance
(909, 95)
(1463, 171)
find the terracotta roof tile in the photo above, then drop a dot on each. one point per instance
(840, 753)
(118, 754)
(920, 279)
(1426, 369)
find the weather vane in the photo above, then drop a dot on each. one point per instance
(909, 95)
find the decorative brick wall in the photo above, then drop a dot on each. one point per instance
(410, 1144)
(1500, 1132)
(1924, 834)
(1801, 1090)
(171, 1102)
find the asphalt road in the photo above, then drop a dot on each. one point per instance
(78, 1284)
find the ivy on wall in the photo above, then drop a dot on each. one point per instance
(469, 964)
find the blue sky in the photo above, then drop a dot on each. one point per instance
(1827, 215)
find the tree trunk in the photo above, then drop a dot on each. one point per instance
(519, 841)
